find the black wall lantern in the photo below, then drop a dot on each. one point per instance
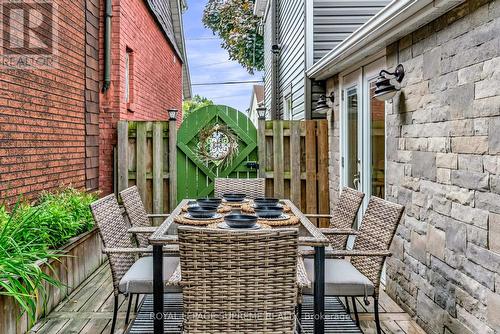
(276, 49)
(322, 104)
(385, 89)
(261, 112)
(172, 114)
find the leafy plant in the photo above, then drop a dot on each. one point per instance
(30, 235)
(196, 102)
(233, 21)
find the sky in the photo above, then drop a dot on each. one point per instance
(209, 62)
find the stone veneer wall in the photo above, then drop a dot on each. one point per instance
(443, 164)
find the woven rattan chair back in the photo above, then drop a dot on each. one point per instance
(113, 231)
(136, 212)
(377, 230)
(238, 282)
(253, 188)
(344, 215)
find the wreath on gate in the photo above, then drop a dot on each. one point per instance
(217, 144)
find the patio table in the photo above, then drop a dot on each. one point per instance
(309, 235)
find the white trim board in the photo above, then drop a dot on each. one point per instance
(397, 19)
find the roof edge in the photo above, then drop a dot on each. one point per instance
(397, 19)
(180, 7)
(168, 37)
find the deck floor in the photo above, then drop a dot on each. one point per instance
(89, 310)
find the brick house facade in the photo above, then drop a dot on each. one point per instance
(57, 127)
(155, 68)
(442, 159)
(42, 115)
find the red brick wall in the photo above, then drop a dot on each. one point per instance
(157, 78)
(42, 116)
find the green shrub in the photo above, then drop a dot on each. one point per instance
(31, 233)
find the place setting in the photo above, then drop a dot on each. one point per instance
(240, 222)
(203, 211)
(271, 212)
(235, 200)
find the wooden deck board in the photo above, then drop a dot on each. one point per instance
(89, 310)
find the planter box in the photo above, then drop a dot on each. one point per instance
(83, 257)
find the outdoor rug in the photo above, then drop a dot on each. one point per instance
(337, 321)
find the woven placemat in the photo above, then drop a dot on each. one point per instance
(249, 209)
(196, 222)
(287, 222)
(235, 204)
(263, 225)
(222, 209)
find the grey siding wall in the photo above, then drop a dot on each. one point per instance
(291, 30)
(334, 20)
(268, 60)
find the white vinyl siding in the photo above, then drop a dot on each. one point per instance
(268, 61)
(291, 29)
(334, 20)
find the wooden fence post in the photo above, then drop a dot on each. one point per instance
(172, 161)
(261, 144)
(158, 167)
(122, 155)
(279, 182)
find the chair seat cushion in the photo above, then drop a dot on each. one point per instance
(341, 279)
(139, 278)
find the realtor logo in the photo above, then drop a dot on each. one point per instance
(28, 34)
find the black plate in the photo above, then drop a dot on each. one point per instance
(266, 201)
(240, 220)
(197, 212)
(211, 200)
(268, 211)
(234, 197)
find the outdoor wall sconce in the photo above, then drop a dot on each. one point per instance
(385, 89)
(276, 48)
(261, 112)
(322, 104)
(172, 114)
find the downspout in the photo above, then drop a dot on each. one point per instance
(274, 76)
(107, 45)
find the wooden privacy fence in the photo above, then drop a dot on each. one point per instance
(145, 158)
(293, 157)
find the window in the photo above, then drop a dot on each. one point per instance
(129, 78)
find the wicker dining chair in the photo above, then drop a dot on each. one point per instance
(238, 282)
(130, 275)
(360, 277)
(253, 188)
(137, 215)
(343, 217)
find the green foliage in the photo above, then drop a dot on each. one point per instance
(29, 236)
(233, 21)
(196, 102)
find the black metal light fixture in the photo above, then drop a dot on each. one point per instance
(172, 114)
(322, 104)
(385, 88)
(275, 48)
(261, 112)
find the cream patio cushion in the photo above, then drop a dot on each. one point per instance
(341, 279)
(139, 278)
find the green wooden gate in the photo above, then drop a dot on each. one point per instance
(232, 141)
